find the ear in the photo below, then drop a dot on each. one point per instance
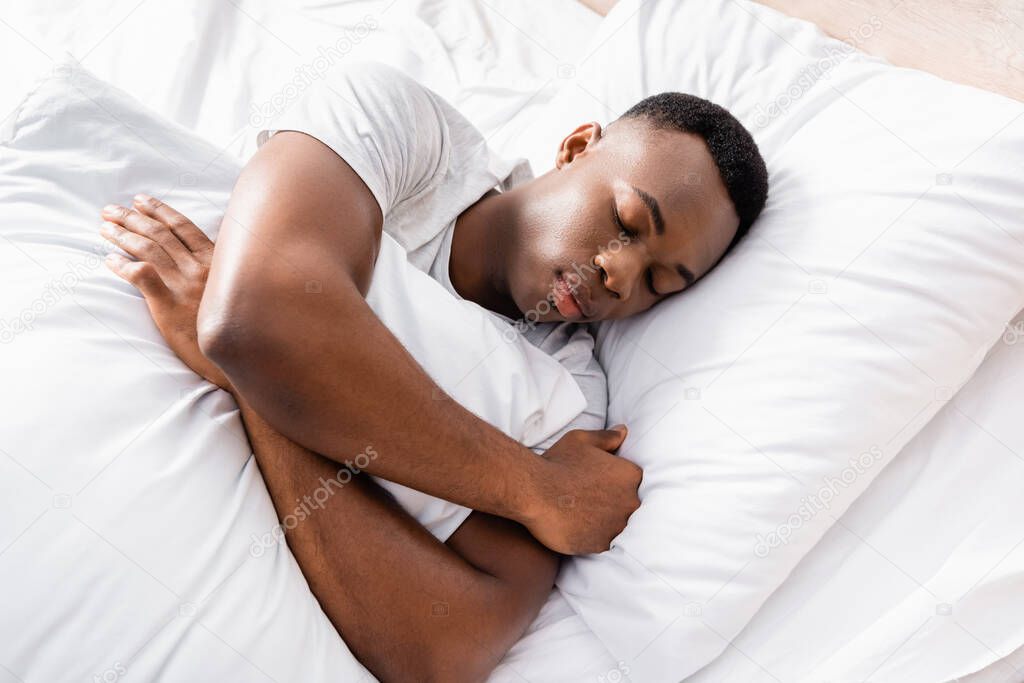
(577, 142)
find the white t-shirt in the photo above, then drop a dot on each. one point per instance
(425, 164)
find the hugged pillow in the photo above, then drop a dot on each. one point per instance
(476, 358)
(764, 400)
(137, 534)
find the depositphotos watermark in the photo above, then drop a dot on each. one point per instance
(616, 675)
(306, 74)
(815, 71)
(573, 279)
(111, 675)
(822, 499)
(316, 500)
(53, 292)
(1013, 333)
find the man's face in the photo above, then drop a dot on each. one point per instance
(628, 217)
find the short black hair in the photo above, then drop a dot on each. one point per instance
(732, 147)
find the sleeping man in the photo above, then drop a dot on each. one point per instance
(631, 214)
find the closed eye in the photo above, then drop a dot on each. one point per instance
(623, 230)
(649, 276)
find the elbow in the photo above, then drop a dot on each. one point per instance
(463, 663)
(470, 654)
(466, 644)
(213, 332)
(430, 661)
(458, 655)
(228, 338)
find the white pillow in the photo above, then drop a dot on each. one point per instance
(477, 359)
(132, 539)
(885, 265)
(928, 562)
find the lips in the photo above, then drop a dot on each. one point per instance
(572, 303)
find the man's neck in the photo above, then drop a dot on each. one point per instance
(480, 246)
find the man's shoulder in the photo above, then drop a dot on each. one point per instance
(379, 84)
(378, 73)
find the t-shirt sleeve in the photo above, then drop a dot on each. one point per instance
(390, 129)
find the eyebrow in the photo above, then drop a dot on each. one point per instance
(652, 206)
(659, 229)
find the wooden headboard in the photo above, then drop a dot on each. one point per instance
(977, 42)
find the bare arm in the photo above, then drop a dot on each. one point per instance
(314, 360)
(321, 368)
(408, 606)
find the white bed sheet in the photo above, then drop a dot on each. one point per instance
(922, 579)
(872, 597)
(212, 66)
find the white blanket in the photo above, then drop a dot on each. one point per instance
(206, 64)
(149, 469)
(164, 54)
(771, 394)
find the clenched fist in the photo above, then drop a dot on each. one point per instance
(585, 493)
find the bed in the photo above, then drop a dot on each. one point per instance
(977, 43)
(460, 49)
(869, 601)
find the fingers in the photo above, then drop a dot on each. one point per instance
(192, 237)
(137, 245)
(142, 274)
(149, 229)
(605, 439)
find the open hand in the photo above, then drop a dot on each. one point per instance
(172, 262)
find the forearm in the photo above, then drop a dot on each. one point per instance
(408, 606)
(366, 387)
(285, 316)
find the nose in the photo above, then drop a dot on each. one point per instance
(621, 270)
